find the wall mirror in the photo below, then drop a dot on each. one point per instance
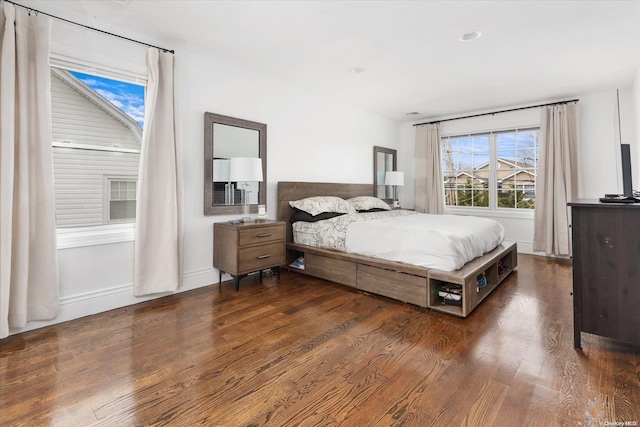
(235, 152)
(384, 159)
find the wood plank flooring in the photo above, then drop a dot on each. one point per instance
(301, 351)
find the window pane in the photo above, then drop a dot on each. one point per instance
(506, 198)
(469, 172)
(481, 198)
(93, 140)
(517, 154)
(115, 190)
(122, 210)
(466, 169)
(127, 97)
(122, 202)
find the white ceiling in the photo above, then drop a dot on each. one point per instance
(529, 52)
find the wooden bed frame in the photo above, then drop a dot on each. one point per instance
(404, 282)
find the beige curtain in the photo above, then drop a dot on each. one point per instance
(557, 180)
(429, 186)
(28, 252)
(159, 221)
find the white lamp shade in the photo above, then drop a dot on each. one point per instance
(248, 169)
(394, 178)
(221, 170)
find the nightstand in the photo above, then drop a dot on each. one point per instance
(240, 249)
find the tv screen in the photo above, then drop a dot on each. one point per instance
(627, 185)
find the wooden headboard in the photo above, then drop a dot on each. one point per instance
(288, 191)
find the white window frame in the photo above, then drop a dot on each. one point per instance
(492, 210)
(69, 238)
(79, 237)
(108, 180)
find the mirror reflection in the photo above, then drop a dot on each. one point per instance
(235, 165)
(234, 142)
(384, 160)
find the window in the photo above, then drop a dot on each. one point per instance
(97, 133)
(491, 170)
(121, 203)
(466, 170)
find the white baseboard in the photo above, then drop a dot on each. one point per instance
(525, 248)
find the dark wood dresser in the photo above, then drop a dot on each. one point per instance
(240, 249)
(606, 270)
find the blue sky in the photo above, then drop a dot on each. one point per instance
(472, 151)
(128, 97)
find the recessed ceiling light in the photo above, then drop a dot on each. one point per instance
(470, 35)
(357, 70)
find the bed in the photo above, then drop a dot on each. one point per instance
(455, 287)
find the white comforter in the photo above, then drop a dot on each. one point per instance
(444, 242)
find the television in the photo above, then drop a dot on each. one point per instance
(627, 186)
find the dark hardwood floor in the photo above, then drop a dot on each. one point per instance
(300, 351)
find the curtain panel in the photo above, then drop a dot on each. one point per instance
(429, 185)
(28, 249)
(557, 179)
(158, 262)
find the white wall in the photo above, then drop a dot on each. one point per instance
(309, 138)
(600, 141)
(599, 151)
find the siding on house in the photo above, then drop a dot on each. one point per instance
(80, 173)
(79, 182)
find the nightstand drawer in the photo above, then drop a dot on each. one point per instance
(262, 234)
(258, 257)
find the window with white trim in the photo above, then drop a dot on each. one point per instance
(97, 132)
(491, 170)
(121, 199)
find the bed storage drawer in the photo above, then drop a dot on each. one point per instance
(335, 270)
(393, 284)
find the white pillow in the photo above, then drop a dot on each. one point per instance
(318, 204)
(365, 203)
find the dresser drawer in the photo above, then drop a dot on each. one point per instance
(256, 258)
(262, 234)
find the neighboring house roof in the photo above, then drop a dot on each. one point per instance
(464, 174)
(520, 169)
(100, 101)
(518, 172)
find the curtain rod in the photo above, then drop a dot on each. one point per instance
(30, 9)
(497, 112)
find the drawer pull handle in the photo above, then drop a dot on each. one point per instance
(264, 235)
(263, 256)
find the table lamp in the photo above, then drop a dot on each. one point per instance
(395, 179)
(245, 170)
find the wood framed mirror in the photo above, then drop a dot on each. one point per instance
(227, 138)
(384, 160)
